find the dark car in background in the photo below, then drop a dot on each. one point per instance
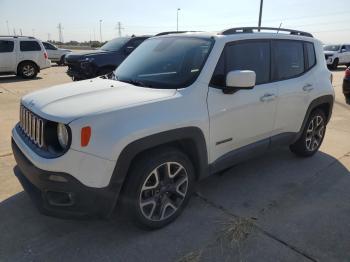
(103, 60)
(346, 85)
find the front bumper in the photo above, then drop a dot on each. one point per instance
(81, 71)
(60, 194)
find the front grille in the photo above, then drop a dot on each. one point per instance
(32, 126)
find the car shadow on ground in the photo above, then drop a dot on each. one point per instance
(14, 79)
(294, 199)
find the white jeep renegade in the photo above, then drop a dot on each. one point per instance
(179, 108)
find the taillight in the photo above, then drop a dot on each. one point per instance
(347, 72)
(45, 55)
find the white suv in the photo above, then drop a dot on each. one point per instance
(23, 56)
(337, 55)
(179, 108)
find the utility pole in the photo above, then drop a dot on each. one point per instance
(119, 28)
(8, 29)
(60, 33)
(101, 30)
(260, 13)
(177, 19)
(20, 30)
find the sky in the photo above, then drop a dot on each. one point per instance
(328, 20)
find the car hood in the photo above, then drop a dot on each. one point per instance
(329, 52)
(74, 57)
(67, 102)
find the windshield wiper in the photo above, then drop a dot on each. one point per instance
(134, 82)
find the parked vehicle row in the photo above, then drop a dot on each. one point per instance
(177, 109)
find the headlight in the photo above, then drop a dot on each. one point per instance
(62, 135)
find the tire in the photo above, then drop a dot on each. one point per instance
(312, 136)
(27, 70)
(61, 62)
(335, 64)
(151, 198)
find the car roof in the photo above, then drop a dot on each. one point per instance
(247, 33)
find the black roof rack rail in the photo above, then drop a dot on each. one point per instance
(175, 32)
(240, 30)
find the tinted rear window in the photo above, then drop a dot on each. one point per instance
(311, 58)
(30, 46)
(6, 46)
(288, 59)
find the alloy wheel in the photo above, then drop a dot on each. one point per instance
(28, 70)
(315, 133)
(163, 191)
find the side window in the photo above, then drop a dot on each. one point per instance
(288, 59)
(6, 46)
(49, 46)
(311, 57)
(253, 56)
(135, 43)
(29, 46)
(348, 48)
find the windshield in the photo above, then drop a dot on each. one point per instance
(115, 44)
(166, 62)
(331, 47)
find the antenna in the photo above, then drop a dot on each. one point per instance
(279, 28)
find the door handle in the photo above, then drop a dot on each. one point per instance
(308, 87)
(267, 97)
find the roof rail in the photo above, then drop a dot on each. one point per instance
(175, 32)
(240, 30)
(17, 36)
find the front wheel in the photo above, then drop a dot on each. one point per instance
(312, 136)
(158, 187)
(335, 64)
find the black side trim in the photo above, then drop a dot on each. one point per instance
(239, 155)
(188, 134)
(327, 99)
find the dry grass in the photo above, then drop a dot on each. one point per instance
(191, 257)
(235, 231)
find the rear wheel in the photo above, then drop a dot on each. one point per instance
(158, 187)
(28, 70)
(312, 136)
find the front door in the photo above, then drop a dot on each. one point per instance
(245, 118)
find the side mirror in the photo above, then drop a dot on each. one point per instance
(239, 79)
(129, 49)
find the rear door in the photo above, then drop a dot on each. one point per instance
(31, 50)
(246, 116)
(7, 56)
(293, 70)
